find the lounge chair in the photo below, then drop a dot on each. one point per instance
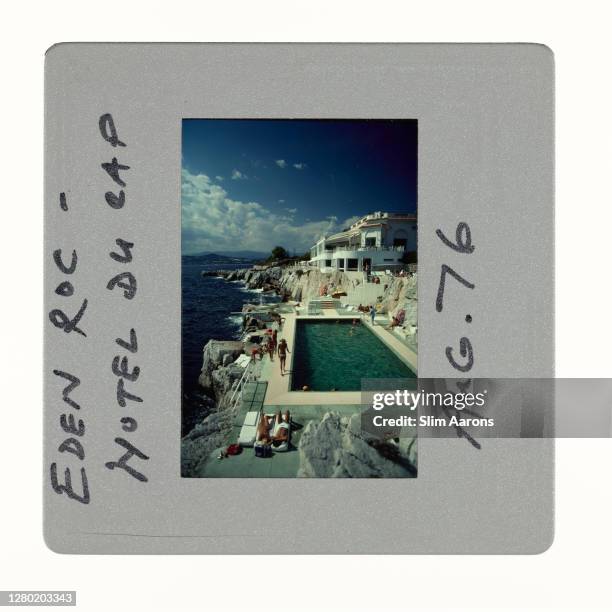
(248, 432)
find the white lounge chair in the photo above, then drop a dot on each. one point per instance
(248, 432)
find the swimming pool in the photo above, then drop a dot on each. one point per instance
(335, 355)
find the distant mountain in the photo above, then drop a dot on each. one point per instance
(233, 255)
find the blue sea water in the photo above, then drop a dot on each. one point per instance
(207, 306)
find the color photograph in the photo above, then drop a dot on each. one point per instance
(299, 283)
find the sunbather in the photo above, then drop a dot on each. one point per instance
(394, 323)
(282, 429)
(263, 429)
(397, 319)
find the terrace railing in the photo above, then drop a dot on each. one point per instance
(354, 247)
(247, 376)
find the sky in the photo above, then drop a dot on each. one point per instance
(255, 184)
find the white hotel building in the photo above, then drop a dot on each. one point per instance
(377, 241)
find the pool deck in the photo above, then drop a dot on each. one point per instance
(280, 464)
(273, 394)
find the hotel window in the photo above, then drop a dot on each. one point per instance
(352, 264)
(328, 263)
(370, 242)
(400, 239)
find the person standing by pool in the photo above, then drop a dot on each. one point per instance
(372, 313)
(271, 346)
(282, 354)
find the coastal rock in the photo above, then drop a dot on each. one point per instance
(213, 355)
(202, 440)
(401, 294)
(301, 284)
(223, 380)
(336, 448)
(214, 420)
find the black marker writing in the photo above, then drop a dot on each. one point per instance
(109, 131)
(121, 367)
(126, 247)
(123, 460)
(72, 445)
(57, 258)
(112, 168)
(463, 245)
(465, 349)
(67, 486)
(60, 319)
(125, 281)
(115, 201)
(132, 345)
(68, 389)
(463, 238)
(444, 270)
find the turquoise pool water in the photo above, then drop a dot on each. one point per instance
(336, 355)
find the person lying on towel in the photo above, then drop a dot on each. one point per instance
(281, 430)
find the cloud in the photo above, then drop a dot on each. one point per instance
(348, 222)
(237, 175)
(212, 221)
(281, 201)
(281, 163)
(291, 211)
(219, 178)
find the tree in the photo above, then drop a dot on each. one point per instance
(278, 252)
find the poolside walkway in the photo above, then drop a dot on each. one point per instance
(401, 349)
(279, 390)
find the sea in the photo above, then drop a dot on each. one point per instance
(211, 309)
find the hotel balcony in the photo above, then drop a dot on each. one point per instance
(360, 249)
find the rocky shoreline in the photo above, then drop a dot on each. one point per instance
(212, 421)
(299, 284)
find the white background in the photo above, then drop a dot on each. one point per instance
(576, 572)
